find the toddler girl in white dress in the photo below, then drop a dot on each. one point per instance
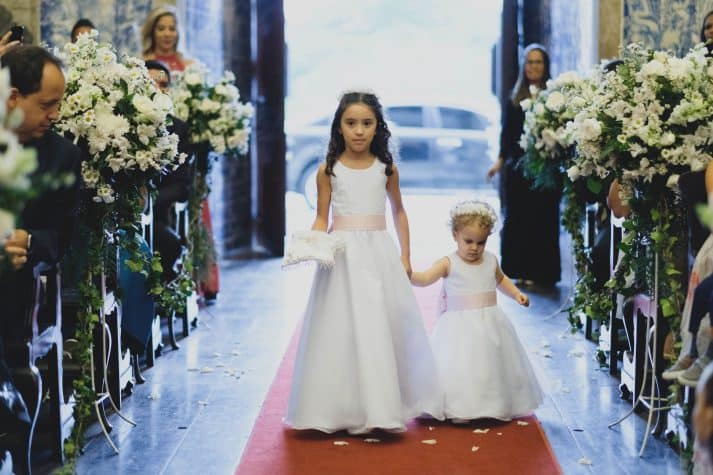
(483, 368)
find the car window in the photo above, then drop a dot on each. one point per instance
(452, 118)
(411, 116)
(324, 121)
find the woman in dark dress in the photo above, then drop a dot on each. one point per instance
(530, 235)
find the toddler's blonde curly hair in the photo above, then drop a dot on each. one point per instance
(470, 212)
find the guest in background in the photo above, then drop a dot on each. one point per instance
(160, 37)
(82, 26)
(173, 187)
(692, 184)
(525, 208)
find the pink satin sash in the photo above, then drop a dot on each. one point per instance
(366, 222)
(457, 303)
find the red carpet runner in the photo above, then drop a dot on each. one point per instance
(505, 448)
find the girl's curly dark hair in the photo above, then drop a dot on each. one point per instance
(379, 146)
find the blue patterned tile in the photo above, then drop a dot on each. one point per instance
(120, 22)
(664, 24)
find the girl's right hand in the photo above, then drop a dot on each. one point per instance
(523, 299)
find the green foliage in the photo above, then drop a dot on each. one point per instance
(201, 246)
(587, 300)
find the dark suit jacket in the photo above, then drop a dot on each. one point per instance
(50, 218)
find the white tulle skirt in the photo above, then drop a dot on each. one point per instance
(483, 367)
(363, 360)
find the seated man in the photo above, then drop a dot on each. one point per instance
(46, 222)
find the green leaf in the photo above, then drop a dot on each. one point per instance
(666, 308)
(594, 185)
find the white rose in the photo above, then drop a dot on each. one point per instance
(239, 139)
(679, 68)
(193, 78)
(163, 103)
(577, 102)
(668, 138)
(207, 105)
(143, 104)
(590, 129)
(539, 108)
(549, 137)
(573, 173)
(109, 124)
(555, 101)
(653, 68)
(245, 110)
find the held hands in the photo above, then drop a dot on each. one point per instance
(406, 262)
(522, 299)
(16, 248)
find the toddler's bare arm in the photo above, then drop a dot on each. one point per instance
(438, 270)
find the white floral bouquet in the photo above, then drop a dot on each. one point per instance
(547, 137)
(213, 112)
(651, 118)
(115, 108)
(313, 246)
(16, 165)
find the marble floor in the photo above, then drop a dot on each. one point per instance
(199, 403)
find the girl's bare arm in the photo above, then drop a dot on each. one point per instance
(400, 218)
(324, 197)
(438, 270)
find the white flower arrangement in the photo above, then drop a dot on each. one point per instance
(652, 116)
(214, 113)
(115, 107)
(312, 246)
(547, 137)
(16, 164)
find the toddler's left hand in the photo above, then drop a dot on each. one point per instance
(523, 299)
(406, 262)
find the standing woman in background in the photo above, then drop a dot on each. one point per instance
(160, 42)
(526, 210)
(159, 37)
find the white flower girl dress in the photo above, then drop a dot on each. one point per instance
(483, 367)
(363, 360)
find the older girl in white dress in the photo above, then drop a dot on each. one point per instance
(363, 360)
